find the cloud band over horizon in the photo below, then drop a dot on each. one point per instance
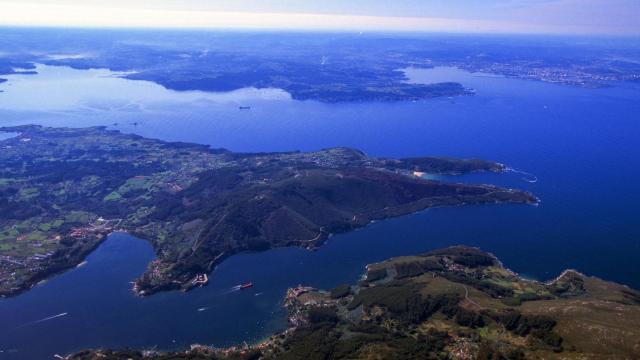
(523, 16)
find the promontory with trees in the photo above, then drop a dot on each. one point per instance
(63, 190)
(455, 303)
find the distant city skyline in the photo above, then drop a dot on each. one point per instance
(484, 16)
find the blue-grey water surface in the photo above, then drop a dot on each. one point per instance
(580, 144)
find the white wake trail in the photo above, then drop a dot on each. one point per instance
(45, 319)
(226, 292)
(528, 177)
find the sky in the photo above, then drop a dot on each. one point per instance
(484, 16)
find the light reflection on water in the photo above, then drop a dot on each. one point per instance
(441, 74)
(59, 88)
(7, 135)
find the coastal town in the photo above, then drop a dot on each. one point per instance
(15, 269)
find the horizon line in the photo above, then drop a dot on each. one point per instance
(321, 31)
(87, 17)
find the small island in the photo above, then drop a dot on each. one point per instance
(454, 303)
(64, 190)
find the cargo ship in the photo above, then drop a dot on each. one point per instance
(246, 286)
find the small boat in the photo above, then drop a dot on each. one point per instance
(246, 286)
(244, 107)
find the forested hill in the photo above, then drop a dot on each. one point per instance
(455, 303)
(63, 190)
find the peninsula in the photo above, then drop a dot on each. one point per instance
(456, 303)
(63, 190)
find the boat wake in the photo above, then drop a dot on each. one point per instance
(528, 177)
(45, 319)
(228, 291)
(224, 292)
(233, 289)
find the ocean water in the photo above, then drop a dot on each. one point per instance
(578, 148)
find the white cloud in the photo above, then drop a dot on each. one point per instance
(67, 15)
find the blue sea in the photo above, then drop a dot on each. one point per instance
(575, 148)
